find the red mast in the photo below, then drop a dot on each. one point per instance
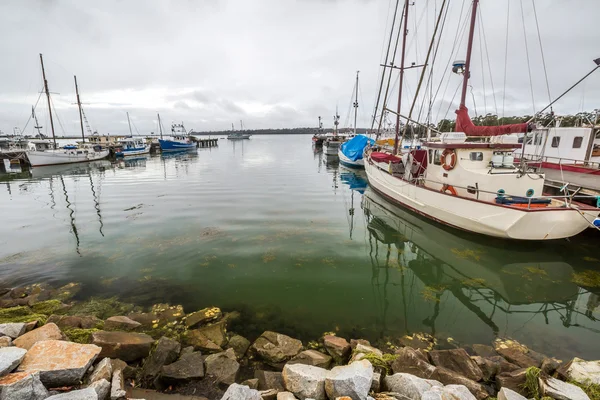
(469, 51)
(401, 75)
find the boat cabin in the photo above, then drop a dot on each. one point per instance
(40, 145)
(104, 140)
(132, 143)
(562, 145)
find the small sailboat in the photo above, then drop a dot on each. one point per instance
(180, 139)
(68, 154)
(332, 142)
(238, 135)
(132, 146)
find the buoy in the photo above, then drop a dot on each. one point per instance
(448, 164)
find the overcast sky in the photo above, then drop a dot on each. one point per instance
(274, 63)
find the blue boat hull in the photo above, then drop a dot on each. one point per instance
(171, 145)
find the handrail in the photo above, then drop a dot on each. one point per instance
(560, 159)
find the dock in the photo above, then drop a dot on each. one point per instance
(210, 142)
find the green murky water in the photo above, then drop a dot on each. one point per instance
(268, 227)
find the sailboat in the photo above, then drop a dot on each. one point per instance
(180, 140)
(320, 136)
(474, 184)
(238, 135)
(332, 143)
(68, 154)
(132, 146)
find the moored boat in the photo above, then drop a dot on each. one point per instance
(351, 152)
(132, 147)
(179, 141)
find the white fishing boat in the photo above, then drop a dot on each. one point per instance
(468, 179)
(132, 147)
(238, 135)
(68, 154)
(333, 141)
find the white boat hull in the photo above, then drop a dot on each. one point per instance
(479, 216)
(136, 152)
(350, 163)
(62, 156)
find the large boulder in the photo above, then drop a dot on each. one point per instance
(269, 380)
(286, 396)
(166, 351)
(223, 366)
(507, 394)
(203, 316)
(560, 390)
(312, 357)
(410, 361)
(46, 332)
(12, 329)
(492, 366)
(337, 347)
(239, 392)
(215, 333)
(121, 323)
(275, 348)
(10, 358)
(581, 371)
(457, 360)
(513, 380)
(449, 377)
(305, 381)
(82, 394)
(352, 380)
(239, 344)
(59, 363)
(409, 386)
(102, 388)
(517, 353)
(189, 366)
(22, 385)
(126, 346)
(103, 370)
(199, 341)
(450, 392)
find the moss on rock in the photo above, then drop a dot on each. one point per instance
(101, 308)
(78, 335)
(48, 307)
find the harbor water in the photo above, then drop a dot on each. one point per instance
(297, 243)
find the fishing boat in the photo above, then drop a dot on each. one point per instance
(333, 141)
(238, 135)
(66, 154)
(132, 147)
(320, 136)
(468, 179)
(180, 140)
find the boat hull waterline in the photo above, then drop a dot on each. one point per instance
(58, 157)
(478, 216)
(171, 145)
(359, 164)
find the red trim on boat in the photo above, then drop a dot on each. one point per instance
(567, 167)
(471, 145)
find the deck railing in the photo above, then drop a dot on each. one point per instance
(534, 159)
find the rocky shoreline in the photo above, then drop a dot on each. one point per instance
(53, 347)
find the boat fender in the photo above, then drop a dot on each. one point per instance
(448, 163)
(448, 188)
(597, 222)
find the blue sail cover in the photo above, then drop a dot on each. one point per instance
(353, 148)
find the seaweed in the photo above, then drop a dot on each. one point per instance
(78, 335)
(101, 308)
(48, 307)
(531, 385)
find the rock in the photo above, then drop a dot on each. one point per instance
(102, 388)
(117, 386)
(5, 341)
(286, 396)
(483, 350)
(10, 358)
(22, 386)
(239, 392)
(449, 377)
(275, 348)
(82, 394)
(198, 341)
(457, 360)
(488, 368)
(450, 392)
(312, 357)
(189, 366)
(354, 342)
(418, 341)
(409, 386)
(364, 348)
(59, 363)
(121, 323)
(186, 350)
(512, 380)
(103, 370)
(517, 353)
(126, 346)
(251, 383)
(376, 382)
(223, 366)
(507, 394)
(117, 365)
(29, 326)
(239, 344)
(269, 394)
(352, 380)
(550, 365)
(305, 381)
(146, 319)
(13, 329)
(581, 371)
(71, 321)
(203, 316)
(411, 362)
(560, 390)
(46, 332)
(337, 347)
(166, 351)
(215, 333)
(269, 380)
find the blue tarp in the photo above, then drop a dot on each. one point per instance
(353, 148)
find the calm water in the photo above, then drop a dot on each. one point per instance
(267, 227)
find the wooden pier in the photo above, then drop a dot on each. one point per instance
(210, 142)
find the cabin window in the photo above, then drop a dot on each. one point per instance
(555, 141)
(577, 140)
(437, 157)
(476, 156)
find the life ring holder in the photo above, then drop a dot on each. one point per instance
(449, 188)
(448, 164)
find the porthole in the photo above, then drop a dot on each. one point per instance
(529, 192)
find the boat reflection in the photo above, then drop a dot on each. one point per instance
(69, 169)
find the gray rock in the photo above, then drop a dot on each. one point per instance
(189, 366)
(269, 394)
(305, 381)
(286, 396)
(83, 394)
(215, 333)
(121, 323)
(117, 386)
(449, 377)
(407, 385)
(166, 351)
(376, 382)
(239, 344)
(457, 360)
(269, 380)
(223, 366)
(411, 362)
(22, 385)
(337, 347)
(581, 371)
(239, 392)
(251, 383)
(203, 316)
(186, 350)
(365, 348)
(560, 390)
(275, 348)
(454, 392)
(312, 357)
(507, 394)
(102, 371)
(13, 329)
(352, 380)
(10, 358)
(5, 341)
(102, 388)
(126, 346)
(198, 341)
(550, 365)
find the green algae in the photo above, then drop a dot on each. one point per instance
(82, 336)
(377, 361)
(48, 307)
(101, 308)
(531, 385)
(587, 278)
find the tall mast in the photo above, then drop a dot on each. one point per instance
(129, 122)
(37, 124)
(467, 72)
(159, 125)
(48, 97)
(356, 103)
(336, 121)
(80, 113)
(401, 80)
